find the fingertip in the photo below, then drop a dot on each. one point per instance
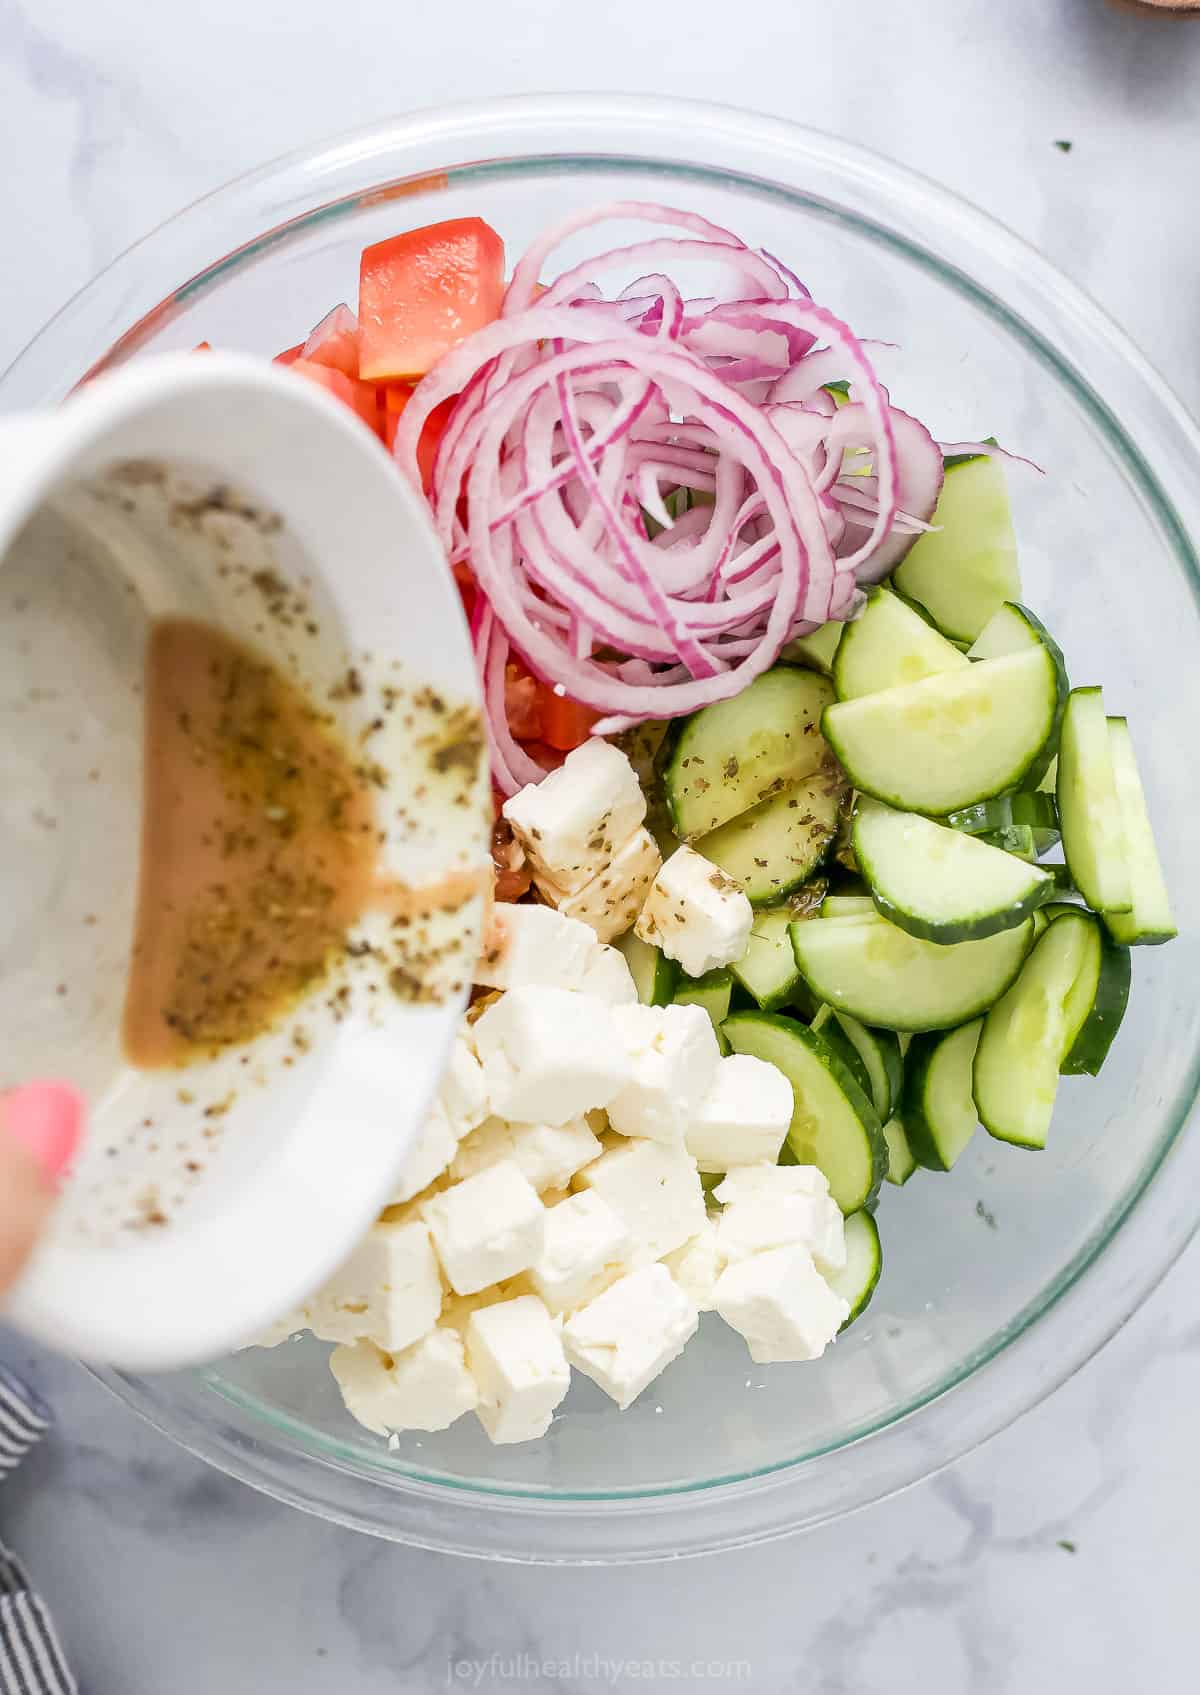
(47, 1119)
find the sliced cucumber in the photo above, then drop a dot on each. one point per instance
(1093, 827)
(1014, 839)
(817, 650)
(768, 970)
(1010, 630)
(856, 1281)
(826, 1025)
(1026, 1036)
(938, 1107)
(901, 1163)
(1098, 996)
(939, 883)
(879, 1051)
(712, 992)
(951, 740)
(1150, 918)
(834, 1126)
(732, 755)
(778, 844)
(889, 644)
(1034, 809)
(966, 568)
(654, 975)
(847, 906)
(881, 975)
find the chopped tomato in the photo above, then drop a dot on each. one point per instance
(545, 755)
(289, 355)
(202, 347)
(522, 703)
(565, 723)
(423, 292)
(396, 397)
(334, 342)
(359, 397)
(467, 587)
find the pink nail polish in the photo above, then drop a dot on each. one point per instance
(46, 1118)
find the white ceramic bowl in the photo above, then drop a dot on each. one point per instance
(208, 1200)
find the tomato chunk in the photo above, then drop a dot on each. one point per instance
(565, 724)
(359, 397)
(334, 342)
(522, 703)
(423, 292)
(289, 355)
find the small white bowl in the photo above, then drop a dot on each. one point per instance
(210, 1199)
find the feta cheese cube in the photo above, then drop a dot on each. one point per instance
(612, 899)
(549, 1055)
(388, 1291)
(486, 1228)
(627, 1335)
(656, 1190)
(548, 1154)
(534, 944)
(573, 821)
(781, 1304)
(696, 914)
(782, 1217)
(675, 1058)
(426, 1387)
(587, 1245)
(696, 1267)
(746, 1181)
(743, 1116)
(429, 1155)
(515, 1353)
(608, 977)
(462, 1095)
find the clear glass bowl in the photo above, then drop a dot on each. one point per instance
(1000, 1279)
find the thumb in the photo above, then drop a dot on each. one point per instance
(39, 1132)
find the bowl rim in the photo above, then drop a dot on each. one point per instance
(1101, 1287)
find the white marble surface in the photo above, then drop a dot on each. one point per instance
(164, 1576)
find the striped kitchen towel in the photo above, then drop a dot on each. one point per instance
(31, 1661)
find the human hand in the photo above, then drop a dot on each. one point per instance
(40, 1124)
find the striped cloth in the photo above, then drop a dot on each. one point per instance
(31, 1661)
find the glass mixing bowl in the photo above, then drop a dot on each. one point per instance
(1000, 1279)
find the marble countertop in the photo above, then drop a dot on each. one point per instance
(1060, 1556)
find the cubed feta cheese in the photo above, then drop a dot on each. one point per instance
(612, 899)
(573, 821)
(426, 1387)
(534, 944)
(696, 1267)
(781, 1304)
(696, 914)
(549, 1055)
(515, 1354)
(486, 1228)
(462, 1094)
(743, 1116)
(430, 1154)
(388, 1291)
(769, 1179)
(780, 1217)
(609, 978)
(548, 1154)
(675, 1058)
(656, 1190)
(627, 1335)
(587, 1245)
